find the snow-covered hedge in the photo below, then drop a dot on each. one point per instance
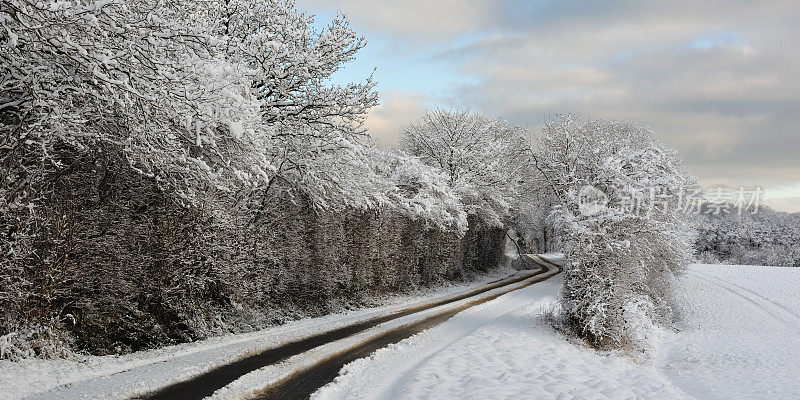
(116, 264)
(171, 169)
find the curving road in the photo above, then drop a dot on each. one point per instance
(302, 383)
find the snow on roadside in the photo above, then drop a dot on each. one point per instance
(739, 333)
(500, 349)
(119, 376)
(738, 338)
(250, 383)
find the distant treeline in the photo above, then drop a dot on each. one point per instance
(764, 237)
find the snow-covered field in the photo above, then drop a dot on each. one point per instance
(739, 338)
(739, 333)
(120, 376)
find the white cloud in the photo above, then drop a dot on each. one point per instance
(788, 204)
(715, 79)
(397, 108)
(414, 19)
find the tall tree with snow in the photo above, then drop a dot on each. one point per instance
(317, 126)
(482, 158)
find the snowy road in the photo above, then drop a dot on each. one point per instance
(279, 364)
(738, 338)
(502, 349)
(300, 385)
(223, 365)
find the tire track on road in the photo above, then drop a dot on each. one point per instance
(301, 384)
(205, 384)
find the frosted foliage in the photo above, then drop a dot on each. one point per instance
(291, 62)
(212, 99)
(482, 158)
(318, 135)
(766, 237)
(419, 191)
(144, 77)
(621, 258)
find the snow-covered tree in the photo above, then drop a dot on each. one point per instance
(419, 191)
(482, 158)
(292, 63)
(620, 223)
(317, 126)
(203, 96)
(142, 77)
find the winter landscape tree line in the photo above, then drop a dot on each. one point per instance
(171, 170)
(765, 237)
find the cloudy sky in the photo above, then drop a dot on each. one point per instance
(718, 80)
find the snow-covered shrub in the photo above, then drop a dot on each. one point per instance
(35, 341)
(113, 252)
(619, 222)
